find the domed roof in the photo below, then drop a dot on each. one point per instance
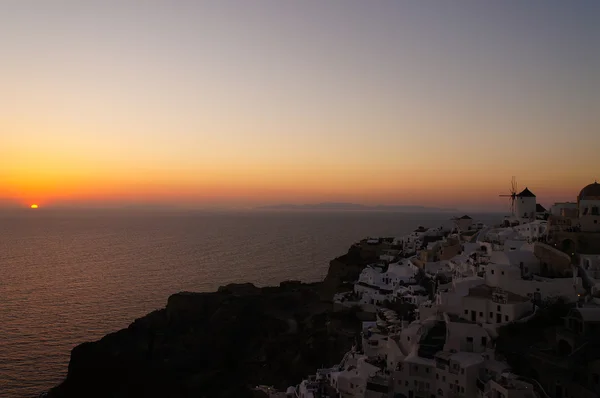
(590, 191)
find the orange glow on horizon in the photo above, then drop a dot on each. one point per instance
(273, 189)
(68, 181)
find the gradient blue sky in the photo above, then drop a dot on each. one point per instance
(252, 102)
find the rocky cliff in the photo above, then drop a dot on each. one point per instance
(222, 343)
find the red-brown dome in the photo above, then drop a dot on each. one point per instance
(591, 191)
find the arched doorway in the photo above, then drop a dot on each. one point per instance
(564, 348)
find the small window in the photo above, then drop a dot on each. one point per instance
(506, 318)
(483, 340)
(426, 370)
(480, 313)
(462, 389)
(437, 376)
(492, 272)
(466, 312)
(469, 339)
(443, 378)
(491, 314)
(462, 371)
(498, 308)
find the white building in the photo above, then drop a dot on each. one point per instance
(488, 305)
(511, 245)
(509, 386)
(525, 205)
(308, 388)
(351, 380)
(466, 336)
(508, 277)
(523, 261)
(371, 295)
(464, 366)
(448, 350)
(444, 375)
(513, 266)
(495, 380)
(377, 284)
(558, 209)
(532, 230)
(499, 236)
(413, 241)
(450, 299)
(413, 294)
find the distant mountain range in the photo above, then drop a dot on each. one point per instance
(355, 207)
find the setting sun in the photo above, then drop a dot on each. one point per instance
(34, 206)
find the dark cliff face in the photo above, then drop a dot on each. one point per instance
(344, 270)
(220, 344)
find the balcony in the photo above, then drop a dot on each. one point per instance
(482, 385)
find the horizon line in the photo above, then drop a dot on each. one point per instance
(300, 209)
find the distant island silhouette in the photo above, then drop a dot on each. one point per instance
(355, 207)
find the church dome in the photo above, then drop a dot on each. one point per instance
(591, 191)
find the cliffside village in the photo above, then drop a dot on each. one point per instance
(480, 279)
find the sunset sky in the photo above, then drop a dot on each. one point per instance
(249, 102)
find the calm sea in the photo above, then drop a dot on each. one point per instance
(70, 277)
